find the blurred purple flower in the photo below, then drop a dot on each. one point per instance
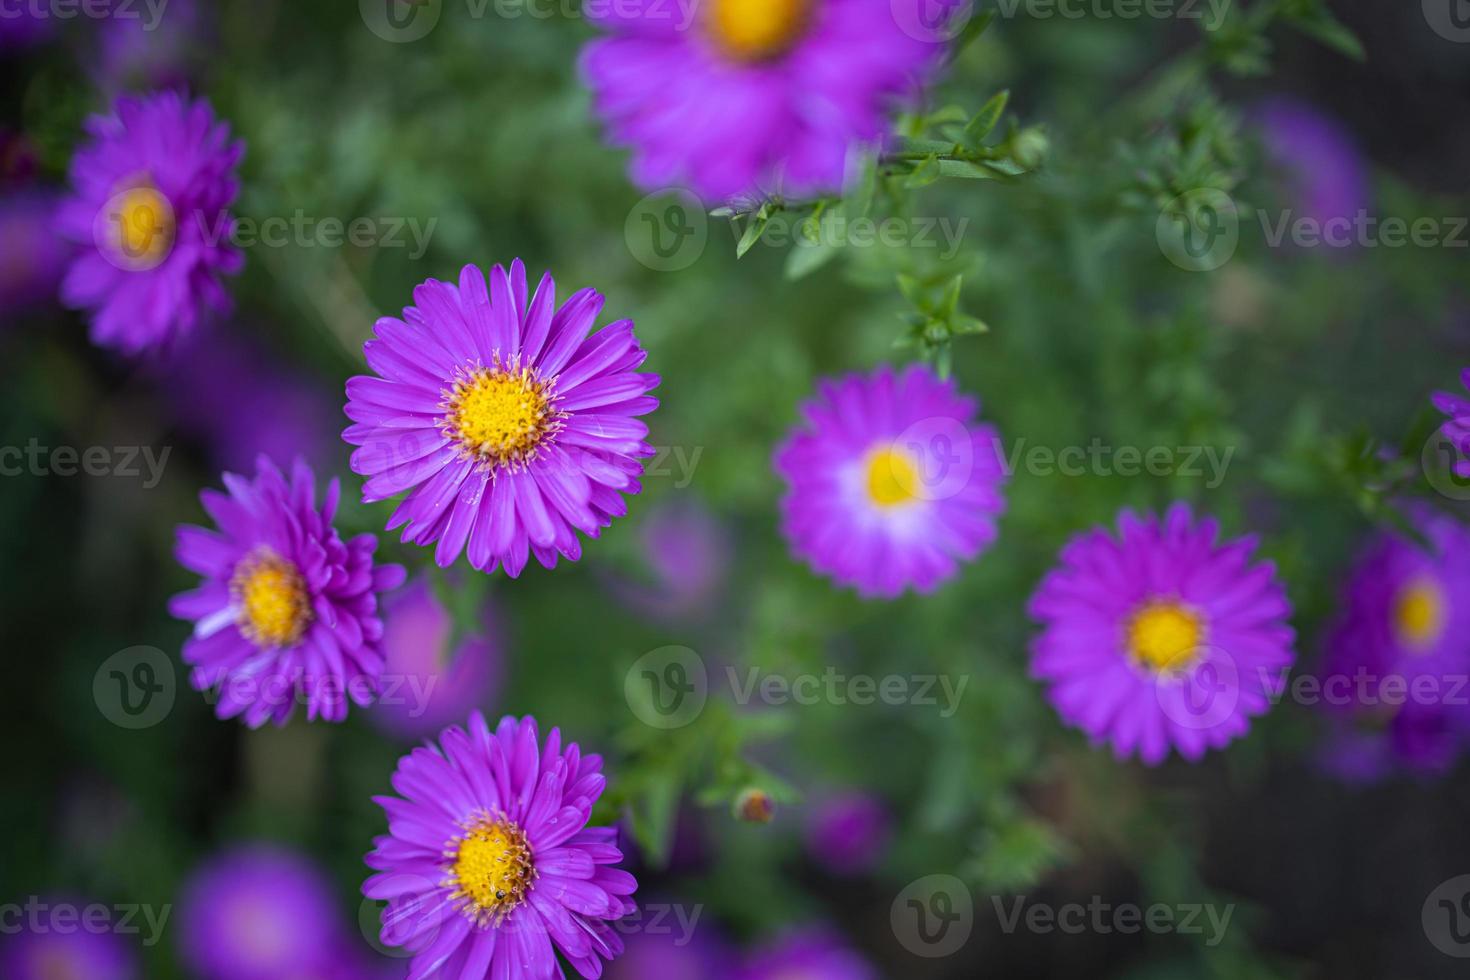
(848, 833)
(1456, 427)
(426, 685)
(814, 953)
(687, 550)
(258, 912)
(33, 256)
(669, 954)
(1324, 172)
(135, 49)
(76, 954)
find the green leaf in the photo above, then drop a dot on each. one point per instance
(1331, 32)
(803, 260)
(925, 173)
(754, 229)
(986, 119)
(967, 35)
(966, 170)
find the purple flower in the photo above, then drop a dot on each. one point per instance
(81, 952)
(141, 49)
(32, 256)
(510, 426)
(755, 96)
(1161, 636)
(812, 954)
(489, 867)
(1324, 172)
(257, 912)
(1457, 426)
(287, 610)
(1400, 648)
(687, 550)
(667, 953)
(891, 482)
(151, 193)
(432, 683)
(848, 832)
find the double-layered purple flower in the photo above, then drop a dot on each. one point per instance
(287, 611)
(489, 868)
(151, 192)
(510, 427)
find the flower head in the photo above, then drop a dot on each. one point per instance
(287, 610)
(510, 427)
(1161, 637)
(1323, 171)
(150, 202)
(813, 953)
(848, 832)
(73, 954)
(1456, 427)
(741, 97)
(489, 867)
(891, 482)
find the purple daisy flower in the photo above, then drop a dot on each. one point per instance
(755, 96)
(1457, 426)
(509, 425)
(1325, 177)
(847, 833)
(812, 954)
(287, 610)
(150, 206)
(433, 683)
(81, 953)
(1161, 636)
(1400, 648)
(489, 867)
(257, 912)
(891, 484)
(32, 256)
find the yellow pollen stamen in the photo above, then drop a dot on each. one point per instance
(1164, 635)
(1419, 613)
(757, 30)
(892, 477)
(271, 595)
(490, 869)
(142, 225)
(500, 415)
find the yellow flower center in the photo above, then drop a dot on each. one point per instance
(757, 30)
(271, 595)
(490, 869)
(1164, 635)
(142, 225)
(499, 415)
(893, 478)
(1419, 613)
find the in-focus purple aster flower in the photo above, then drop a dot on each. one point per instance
(287, 611)
(1399, 651)
(1161, 636)
(510, 427)
(258, 912)
(32, 256)
(1326, 178)
(489, 867)
(150, 202)
(848, 832)
(813, 953)
(80, 953)
(740, 97)
(891, 482)
(428, 683)
(1457, 426)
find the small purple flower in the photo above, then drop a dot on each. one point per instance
(510, 427)
(137, 47)
(848, 832)
(812, 954)
(891, 482)
(32, 256)
(80, 953)
(257, 912)
(1326, 178)
(1456, 427)
(687, 550)
(287, 610)
(667, 953)
(1400, 649)
(489, 868)
(1161, 636)
(740, 97)
(150, 205)
(432, 683)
